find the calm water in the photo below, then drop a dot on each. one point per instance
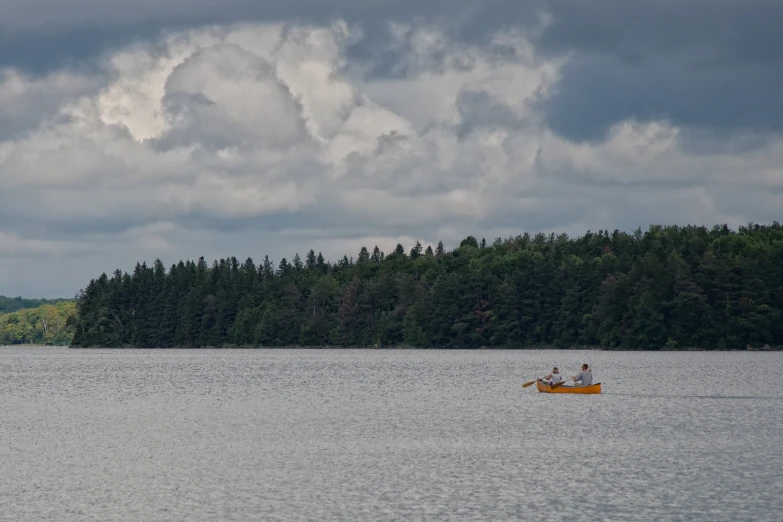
(387, 435)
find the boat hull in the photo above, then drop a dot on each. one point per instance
(593, 388)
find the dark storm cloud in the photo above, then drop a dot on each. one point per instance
(730, 32)
(37, 35)
(597, 91)
(708, 65)
(694, 63)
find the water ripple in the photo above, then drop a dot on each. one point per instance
(386, 435)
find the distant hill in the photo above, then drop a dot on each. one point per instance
(13, 304)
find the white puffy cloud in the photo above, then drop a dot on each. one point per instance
(267, 139)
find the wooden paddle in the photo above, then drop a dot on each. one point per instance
(531, 383)
(561, 383)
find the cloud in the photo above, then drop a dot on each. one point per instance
(687, 90)
(728, 32)
(696, 66)
(12, 245)
(26, 102)
(225, 96)
(276, 137)
(38, 35)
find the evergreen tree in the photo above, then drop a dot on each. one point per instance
(320, 263)
(268, 268)
(310, 260)
(439, 250)
(666, 287)
(469, 241)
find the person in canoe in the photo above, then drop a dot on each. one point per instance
(585, 377)
(553, 378)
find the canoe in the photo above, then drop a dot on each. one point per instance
(545, 388)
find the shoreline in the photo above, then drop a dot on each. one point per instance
(411, 348)
(400, 348)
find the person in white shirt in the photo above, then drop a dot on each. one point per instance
(585, 377)
(554, 377)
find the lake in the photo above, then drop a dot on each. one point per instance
(387, 435)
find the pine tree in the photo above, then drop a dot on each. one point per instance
(283, 268)
(310, 260)
(416, 250)
(666, 287)
(268, 269)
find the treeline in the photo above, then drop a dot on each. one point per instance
(666, 288)
(50, 324)
(13, 304)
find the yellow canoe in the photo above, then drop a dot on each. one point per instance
(545, 388)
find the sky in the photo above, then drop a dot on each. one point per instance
(131, 131)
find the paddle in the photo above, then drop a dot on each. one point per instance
(531, 383)
(561, 383)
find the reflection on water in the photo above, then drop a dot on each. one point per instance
(386, 435)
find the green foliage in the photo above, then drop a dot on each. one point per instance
(412, 326)
(48, 324)
(469, 241)
(13, 304)
(665, 288)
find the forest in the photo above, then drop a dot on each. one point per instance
(50, 324)
(12, 304)
(670, 287)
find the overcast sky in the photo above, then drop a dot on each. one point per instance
(131, 131)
